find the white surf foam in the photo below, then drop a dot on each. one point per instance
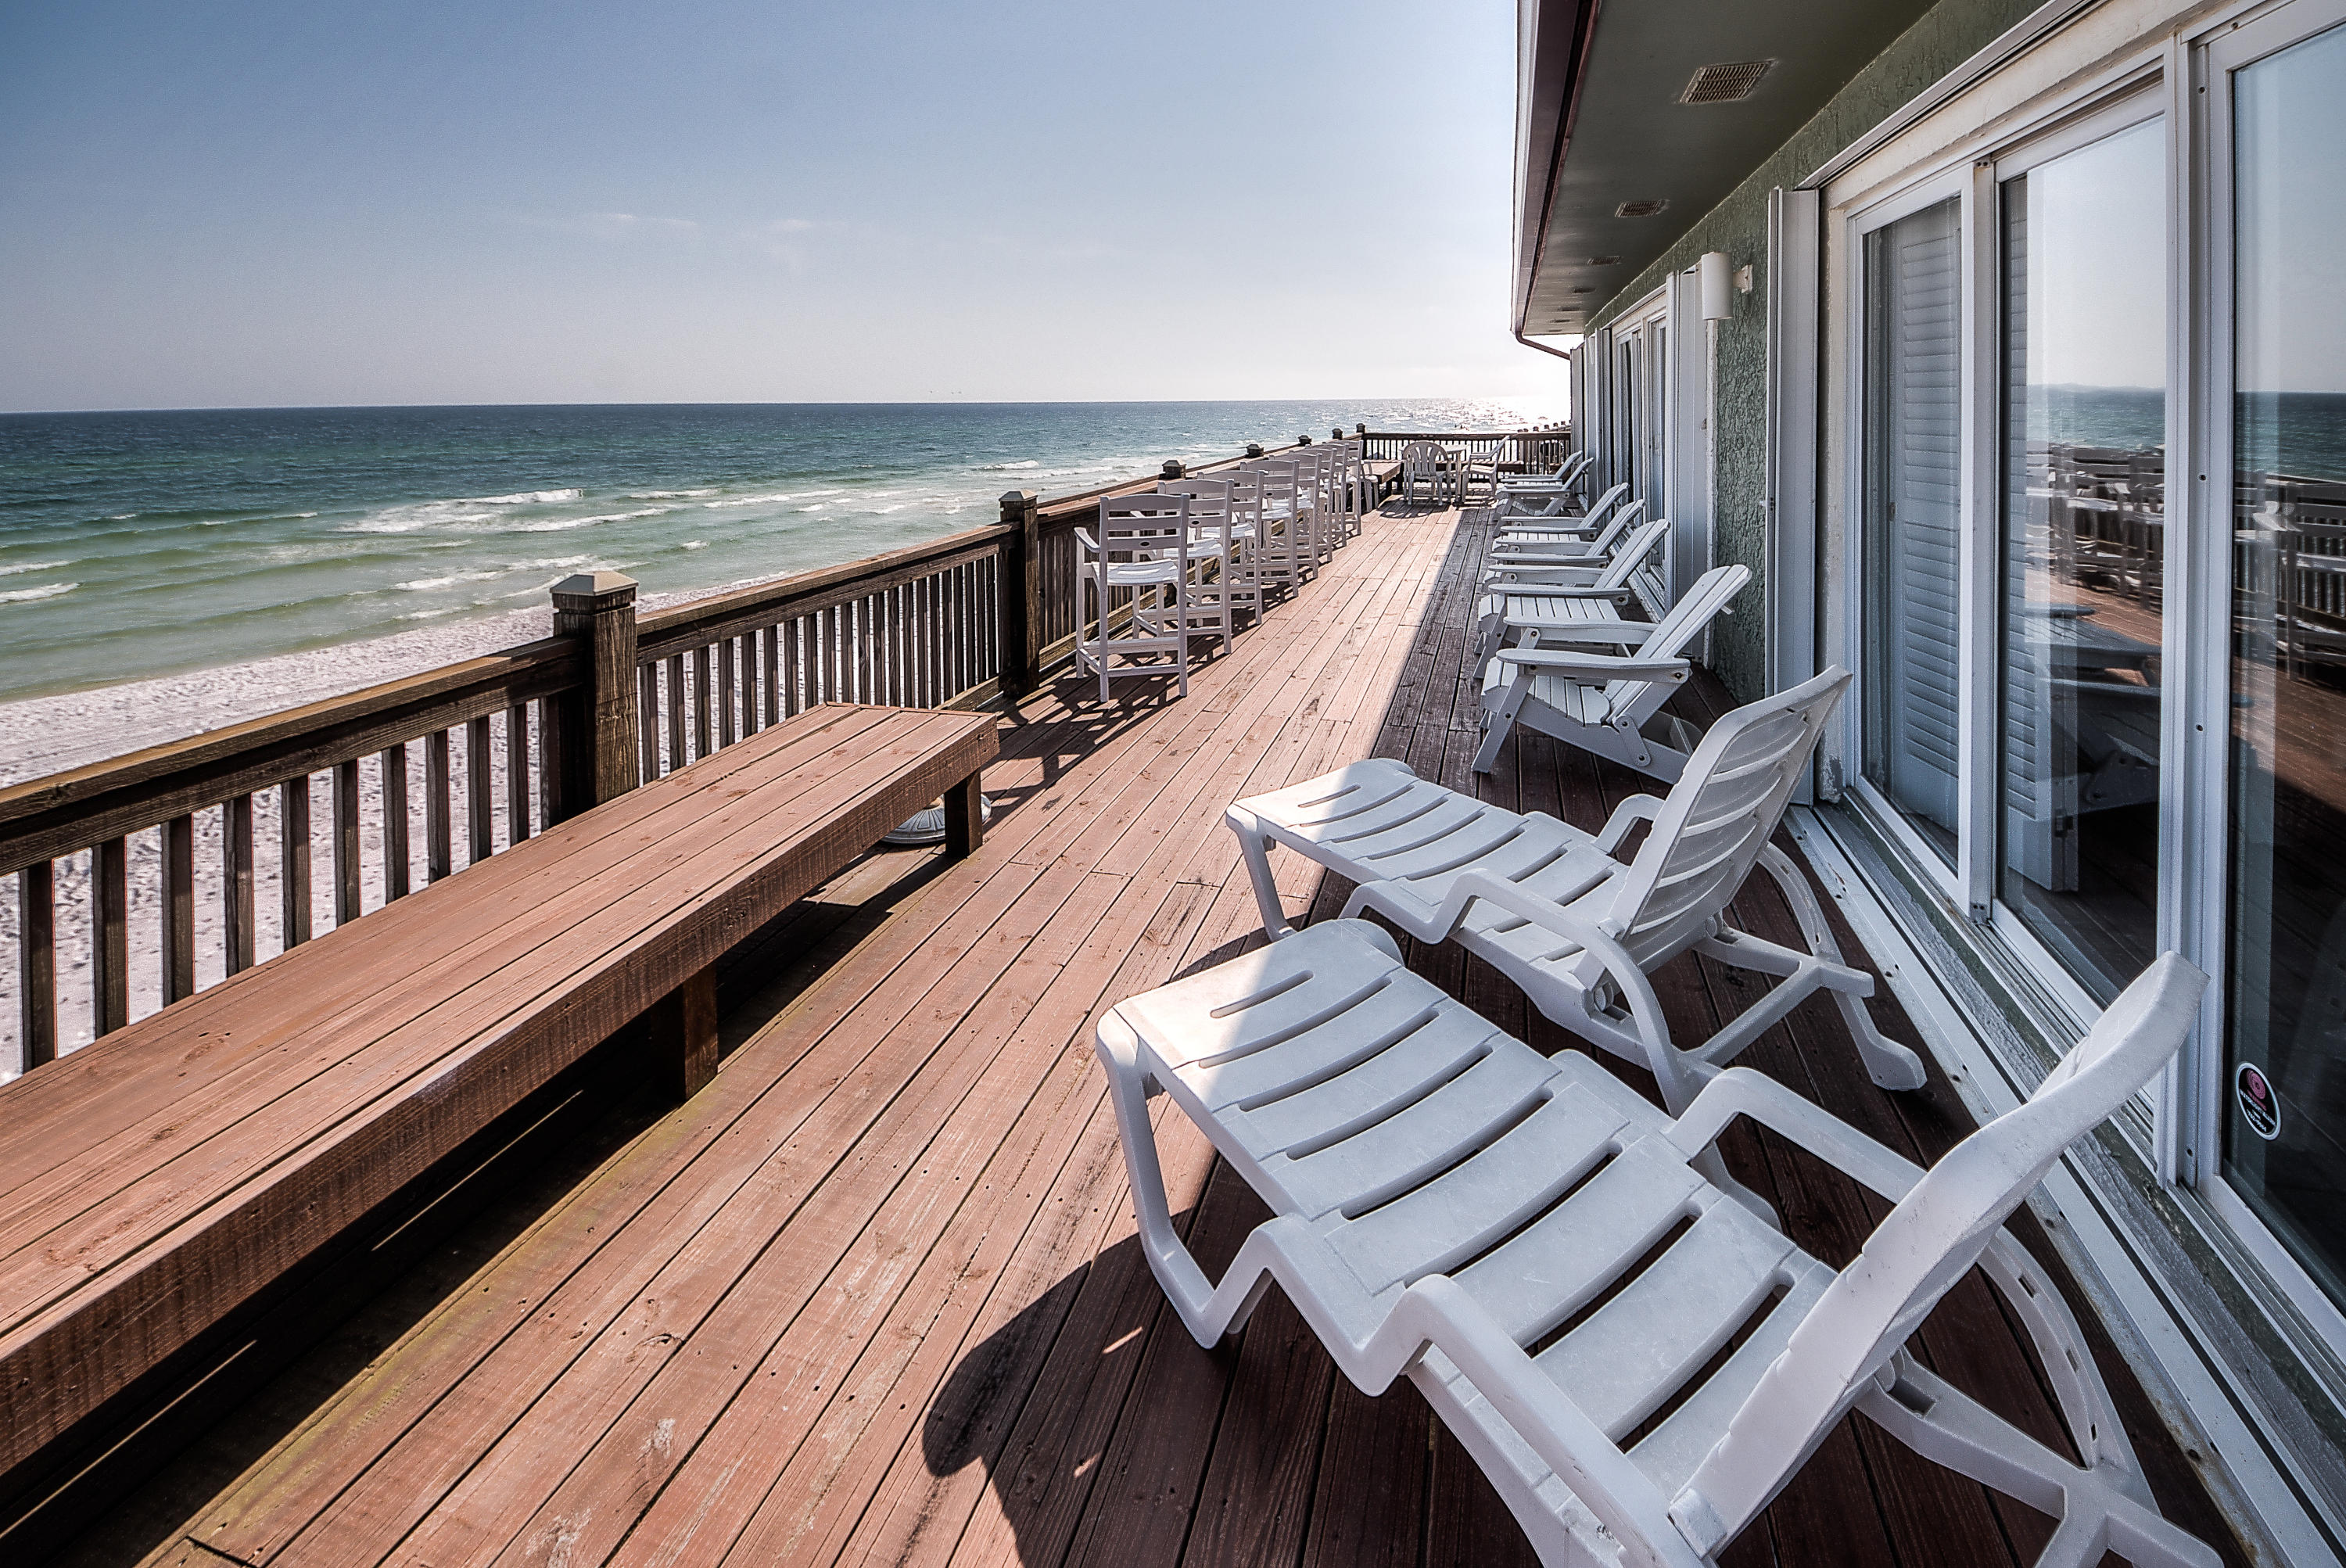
(32, 566)
(26, 595)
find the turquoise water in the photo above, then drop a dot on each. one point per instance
(140, 545)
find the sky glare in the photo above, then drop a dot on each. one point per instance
(270, 205)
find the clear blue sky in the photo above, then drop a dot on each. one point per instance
(259, 204)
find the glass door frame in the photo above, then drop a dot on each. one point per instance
(2191, 1149)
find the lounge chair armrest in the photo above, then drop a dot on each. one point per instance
(1601, 667)
(1627, 635)
(1637, 809)
(1741, 1092)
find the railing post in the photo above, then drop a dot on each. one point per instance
(1021, 593)
(600, 760)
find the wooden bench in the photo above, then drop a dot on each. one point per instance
(152, 1182)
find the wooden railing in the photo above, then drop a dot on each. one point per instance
(1524, 451)
(195, 843)
(118, 842)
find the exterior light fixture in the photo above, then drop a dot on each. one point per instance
(1717, 306)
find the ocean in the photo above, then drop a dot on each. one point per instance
(139, 545)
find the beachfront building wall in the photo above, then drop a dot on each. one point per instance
(2031, 410)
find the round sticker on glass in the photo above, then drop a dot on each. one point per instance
(2260, 1106)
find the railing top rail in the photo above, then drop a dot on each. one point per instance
(64, 813)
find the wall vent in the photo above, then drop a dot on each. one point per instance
(1605, 261)
(1727, 84)
(1640, 208)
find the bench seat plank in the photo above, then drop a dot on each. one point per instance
(159, 1177)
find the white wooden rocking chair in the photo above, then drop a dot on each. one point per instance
(1449, 1206)
(1604, 702)
(1553, 909)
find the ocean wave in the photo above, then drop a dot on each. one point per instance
(26, 595)
(32, 566)
(425, 585)
(562, 525)
(673, 494)
(774, 500)
(422, 515)
(694, 545)
(1007, 467)
(521, 498)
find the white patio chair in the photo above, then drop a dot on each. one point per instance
(1478, 470)
(1560, 601)
(1216, 557)
(1141, 550)
(1282, 525)
(1567, 539)
(1358, 488)
(1553, 910)
(1452, 1206)
(1538, 490)
(1602, 702)
(1423, 465)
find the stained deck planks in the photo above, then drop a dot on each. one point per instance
(875, 1296)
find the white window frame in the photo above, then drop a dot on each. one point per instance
(2192, 1148)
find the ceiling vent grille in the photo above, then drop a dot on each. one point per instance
(1640, 208)
(1605, 261)
(1727, 84)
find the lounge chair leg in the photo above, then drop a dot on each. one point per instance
(1887, 1063)
(1254, 848)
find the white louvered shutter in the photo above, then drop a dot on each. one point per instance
(1922, 457)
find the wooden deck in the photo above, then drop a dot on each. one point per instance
(874, 1296)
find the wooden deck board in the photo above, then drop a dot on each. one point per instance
(876, 1297)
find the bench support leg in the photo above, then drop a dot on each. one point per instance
(965, 818)
(684, 1036)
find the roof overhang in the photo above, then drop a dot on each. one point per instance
(1601, 125)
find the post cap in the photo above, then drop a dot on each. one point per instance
(1016, 497)
(595, 590)
(1254, 449)
(1302, 441)
(1173, 468)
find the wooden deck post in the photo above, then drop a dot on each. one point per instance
(600, 760)
(684, 1037)
(1022, 594)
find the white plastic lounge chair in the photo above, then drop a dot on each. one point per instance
(1601, 702)
(1140, 556)
(1446, 1200)
(1553, 910)
(1559, 525)
(1560, 549)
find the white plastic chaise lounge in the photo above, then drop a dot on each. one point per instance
(1446, 1199)
(1577, 929)
(1604, 702)
(1563, 549)
(1547, 495)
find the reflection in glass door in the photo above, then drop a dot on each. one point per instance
(2285, 1079)
(2084, 239)
(1913, 429)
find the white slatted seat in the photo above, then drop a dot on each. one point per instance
(1138, 558)
(1555, 910)
(1605, 703)
(1548, 493)
(1560, 546)
(1448, 1205)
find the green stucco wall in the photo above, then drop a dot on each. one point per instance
(1946, 36)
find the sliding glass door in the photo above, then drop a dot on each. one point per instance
(2284, 1088)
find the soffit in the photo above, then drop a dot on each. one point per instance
(1625, 138)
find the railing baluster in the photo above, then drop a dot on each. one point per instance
(675, 757)
(770, 654)
(478, 816)
(110, 944)
(725, 694)
(517, 773)
(347, 904)
(552, 806)
(439, 854)
(701, 702)
(178, 908)
(789, 633)
(236, 883)
(36, 960)
(293, 859)
(395, 821)
(647, 735)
